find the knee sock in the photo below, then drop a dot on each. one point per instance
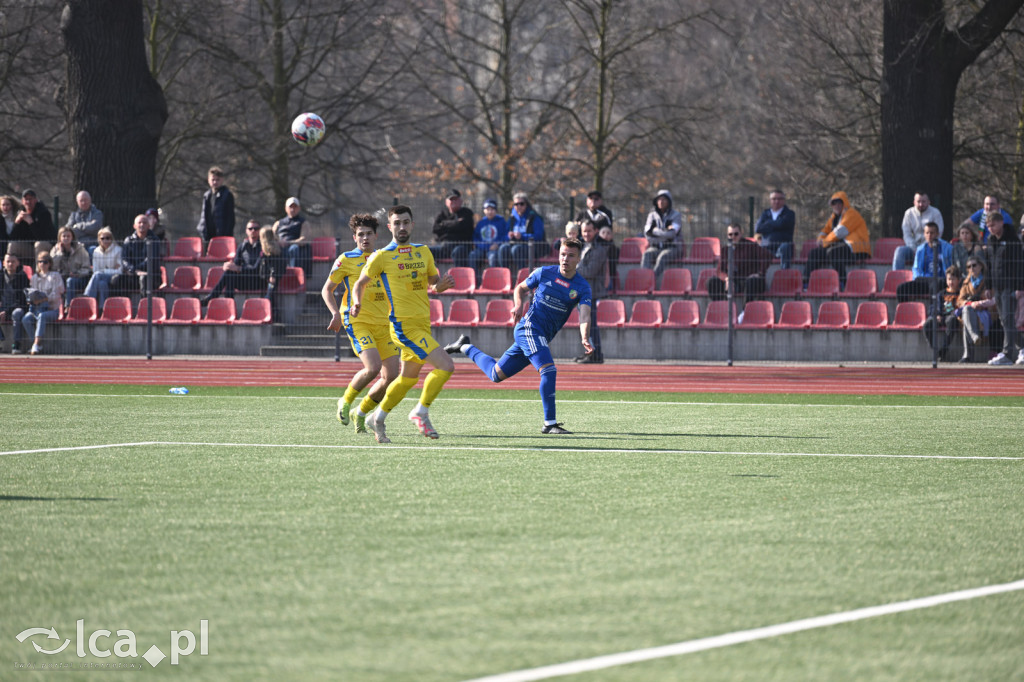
(482, 360)
(396, 391)
(366, 406)
(432, 385)
(547, 392)
(351, 394)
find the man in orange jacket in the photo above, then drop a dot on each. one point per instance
(842, 241)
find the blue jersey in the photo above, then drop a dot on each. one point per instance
(553, 300)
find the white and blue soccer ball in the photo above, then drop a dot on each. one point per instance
(308, 129)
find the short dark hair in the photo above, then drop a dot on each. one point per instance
(932, 223)
(363, 220)
(955, 271)
(573, 244)
(397, 209)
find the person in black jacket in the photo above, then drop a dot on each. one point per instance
(140, 257)
(217, 216)
(453, 231)
(243, 271)
(1006, 262)
(13, 283)
(34, 227)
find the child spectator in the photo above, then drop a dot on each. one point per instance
(488, 236)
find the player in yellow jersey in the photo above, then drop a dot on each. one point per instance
(370, 336)
(407, 274)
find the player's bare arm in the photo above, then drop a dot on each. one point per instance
(328, 295)
(585, 325)
(521, 301)
(439, 284)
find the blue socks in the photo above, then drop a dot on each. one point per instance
(482, 360)
(547, 392)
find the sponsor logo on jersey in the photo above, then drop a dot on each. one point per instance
(561, 282)
(405, 249)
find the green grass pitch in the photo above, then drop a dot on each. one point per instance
(314, 554)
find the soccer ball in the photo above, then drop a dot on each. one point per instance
(308, 129)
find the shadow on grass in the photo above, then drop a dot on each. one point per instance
(591, 435)
(25, 498)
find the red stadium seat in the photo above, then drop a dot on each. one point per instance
(28, 271)
(860, 284)
(704, 250)
(159, 311)
(219, 311)
(786, 284)
(675, 282)
(213, 277)
(884, 249)
(185, 311)
(611, 312)
(871, 315)
(639, 282)
(574, 317)
(495, 281)
(82, 309)
(219, 249)
(293, 281)
(758, 315)
(682, 315)
(632, 249)
(794, 315)
(522, 275)
(716, 315)
(116, 309)
(324, 249)
(436, 312)
(465, 281)
(499, 313)
(833, 315)
(645, 314)
(893, 279)
(823, 283)
(186, 280)
(909, 315)
(255, 311)
(805, 250)
(464, 312)
(187, 249)
(702, 281)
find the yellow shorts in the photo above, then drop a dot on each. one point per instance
(414, 340)
(366, 336)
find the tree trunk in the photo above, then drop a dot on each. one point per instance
(114, 107)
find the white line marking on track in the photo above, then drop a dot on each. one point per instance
(743, 636)
(537, 449)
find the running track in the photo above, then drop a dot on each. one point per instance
(951, 380)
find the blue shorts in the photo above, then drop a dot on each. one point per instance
(527, 349)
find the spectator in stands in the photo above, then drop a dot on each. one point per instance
(71, 260)
(913, 230)
(453, 231)
(606, 237)
(975, 305)
(86, 221)
(943, 322)
(593, 267)
(13, 283)
(980, 217)
(33, 227)
(272, 265)
(243, 271)
(157, 228)
(1006, 260)
(842, 242)
(572, 231)
(488, 236)
(774, 229)
(749, 268)
(664, 235)
(9, 208)
(140, 258)
(106, 262)
(596, 211)
(48, 285)
(967, 245)
(526, 236)
(926, 274)
(217, 215)
(297, 250)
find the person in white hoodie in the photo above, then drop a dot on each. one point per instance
(106, 262)
(663, 231)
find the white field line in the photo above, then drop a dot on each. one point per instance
(526, 400)
(472, 448)
(743, 636)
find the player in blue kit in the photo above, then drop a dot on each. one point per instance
(557, 289)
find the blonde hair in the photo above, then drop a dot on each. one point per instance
(268, 242)
(105, 232)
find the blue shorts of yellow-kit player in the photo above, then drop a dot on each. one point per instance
(367, 336)
(414, 340)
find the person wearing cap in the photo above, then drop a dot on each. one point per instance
(596, 211)
(296, 248)
(453, 231)
(86, 221)
(842, 241)
(664, 234)
(33, 227)
(490, 233)
(217, 216)
(525, 237)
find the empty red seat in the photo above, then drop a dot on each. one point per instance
(893, 279)
(702, 281)
(574, 317)
(611, 312)
(142, 314)
(632, 249)
(716, 316)
(639, 282)
(758, 315)
(213, 277)
(682, 315)
(645, 314)
(324, 249)
(833, 315)
(219, 311)
(909, 315)
(219, 249)
(116, 309)
(495, 281)
(860, 284)
(293, 281)
(499, 313)
(794, 315)
(436, 312)
(82, 309)
(823, 283)
(522, 275)
(186, 279)
(255, 311)
(187, 249)
(884, 249)
(786, 284)
(805, 250)
(871, 315)
(704, 250)
(465, 281)
(464, 312)
(675, 282)
(185, 311)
